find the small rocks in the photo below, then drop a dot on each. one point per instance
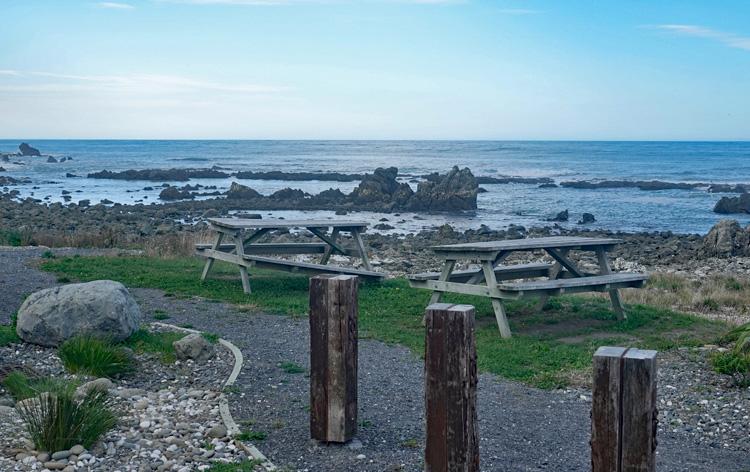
(586, 218)
(218, 431)
(194, 347)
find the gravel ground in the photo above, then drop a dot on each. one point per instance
(703, 428)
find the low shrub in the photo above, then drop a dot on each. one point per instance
(97, 357)
(735, 362)
(56, 421)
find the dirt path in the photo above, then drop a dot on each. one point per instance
(521, 428)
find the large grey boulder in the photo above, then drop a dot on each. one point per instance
(102, 308)
(727, 238)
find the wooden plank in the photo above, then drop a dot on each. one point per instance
(362, 249)
(333, 357)
(452, 437)
(593, 281)
(239, 248)
(639, 418)
(614, 295)
(328, 239)
(453, 287)
(272, 248)
(497, 304)
(503, 272)
(210, 261)
(606, 409)
(563, 260)
(528, 244)
(328, 248)
(240, 223)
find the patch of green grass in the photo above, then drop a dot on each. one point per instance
(57, 421)
(187, 326)
(63, 280)
(735, 362)
(9, 237)
(410, 443)
(291, 368)
(230, 389)
(8, 333)
(159, 343)
(213, 338)
(548, 348)
(48, 255)
(161, 315)
(252, 435)
(96, 357)
(244, 466)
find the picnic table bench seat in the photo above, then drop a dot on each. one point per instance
(308, 267)
(536, 269)
(270, 248)
(595, 283)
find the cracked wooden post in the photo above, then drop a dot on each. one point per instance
(623, 410)
(333, 357)
(452, 442)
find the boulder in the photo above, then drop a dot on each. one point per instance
(382, 187)
(174, 193)
(727, 238)
(561, 216)
(102, 308)
(101, 384)
(739, 204)
(193, 346)
(586, 218)
(455, 191)
(242, 192)
(27, 150)
(51, 160)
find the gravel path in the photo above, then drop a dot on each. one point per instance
(521, 428)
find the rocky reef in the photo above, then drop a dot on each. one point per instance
(739, 204)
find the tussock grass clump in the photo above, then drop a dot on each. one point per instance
(97, 357)
(8, 333)
(735, 362)
(57, 421)
(21, 386)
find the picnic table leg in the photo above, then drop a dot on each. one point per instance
(614, 295)
(445, 275)
(210, 260)
(554, 273)
(329, 248)
(241, 255)
(497, 304)
(478, 278)
(362, 249)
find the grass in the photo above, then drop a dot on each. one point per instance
(244, 466)
(549, 349)
(96, 357)
(8, 333)
(291, 368)
(736, 361)
(20, 386)
(213, 338)
(252, 435)
(161, 315)
(57, 421)
(160, 343)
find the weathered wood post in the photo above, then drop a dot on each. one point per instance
(452, 442)
(333, 357)
(623, 410)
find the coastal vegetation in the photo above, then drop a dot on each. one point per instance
(551, 348)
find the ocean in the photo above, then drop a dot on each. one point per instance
(623, 209)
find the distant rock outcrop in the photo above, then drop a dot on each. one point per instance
(456, 191)
(27, 150)
(179, 175)
(586, 218)
(561, 217)
(242, 192)
(727, 238)
(648, 185)
(739, 204)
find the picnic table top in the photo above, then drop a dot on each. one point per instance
(526, 244)
(246, 223)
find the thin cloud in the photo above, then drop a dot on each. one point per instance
(115, 5)
(301, 2)
(728, 39)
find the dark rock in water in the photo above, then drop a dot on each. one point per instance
(241, 192)
(482, 190)
(728, 188)
(549, 185)
(27, 150)
(381, 187)
(561, 216)
(2, 169)
(174, 193)
(5, 158)
(180, 175)
(739, 204)
(51, 160)
(341, 212)
(455, 191)
(586, 218)
(727, 238)
(639, 184)
(66, 192)
(84, 203)
(5, 180)
(106, 201)
(69, 175)
(383, 226)
(289, 194)
(503, 179)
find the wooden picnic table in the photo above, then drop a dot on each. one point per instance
(242, 249)
(499, 282)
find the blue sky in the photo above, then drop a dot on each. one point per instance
(375, 69)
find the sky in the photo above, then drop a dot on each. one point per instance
(375, 69)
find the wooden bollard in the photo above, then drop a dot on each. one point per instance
(452, 442)
(333, 357)
(623, 410)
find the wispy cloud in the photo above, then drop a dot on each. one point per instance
(302, 2)
(115, 5)
(728, 39)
